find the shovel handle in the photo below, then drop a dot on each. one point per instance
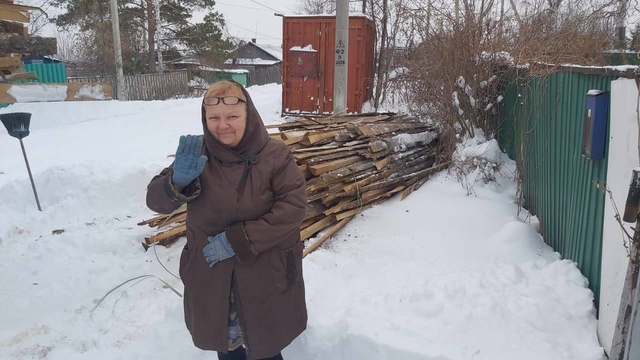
(33, 185)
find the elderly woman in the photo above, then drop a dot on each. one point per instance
(242, 264)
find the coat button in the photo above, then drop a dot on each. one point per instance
(254, 159)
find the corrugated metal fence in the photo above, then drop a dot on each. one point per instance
(147, 86)
(48, 72)
(211, 76)
(542, 125)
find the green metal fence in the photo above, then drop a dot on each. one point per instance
(213, 76)
(542, 121)
(48, 72)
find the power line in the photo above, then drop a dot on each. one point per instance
(263, 5)
(253, 31)
(240, 6)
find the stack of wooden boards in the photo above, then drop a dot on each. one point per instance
(351, 163)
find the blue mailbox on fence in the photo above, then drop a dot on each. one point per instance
(594, 136)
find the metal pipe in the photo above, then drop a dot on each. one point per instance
(33, 185)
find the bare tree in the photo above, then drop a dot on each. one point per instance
(383, 58)
(39, 18)
(317, 7)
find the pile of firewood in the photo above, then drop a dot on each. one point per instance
(351, 163)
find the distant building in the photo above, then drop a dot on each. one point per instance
(264, 62)
(251, 56)
(184, 63)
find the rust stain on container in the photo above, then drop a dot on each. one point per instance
(308, 63)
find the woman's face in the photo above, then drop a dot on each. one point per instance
(227, 122)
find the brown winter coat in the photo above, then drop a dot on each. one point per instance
(256, 194)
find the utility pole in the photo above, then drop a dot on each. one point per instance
(117, 47)
(341, 57)
(622, 31)
(158, 49)
(457, 10)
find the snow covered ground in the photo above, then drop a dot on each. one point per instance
(441, 275)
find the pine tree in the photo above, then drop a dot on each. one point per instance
(635, 38)
(139, 30)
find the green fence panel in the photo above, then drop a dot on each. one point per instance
(48, 72)
(213, 76)
(241, 78)
(541, 128)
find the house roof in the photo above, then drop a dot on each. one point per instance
(246, 61)
(231, 71)
(185, 60)
(273, 50)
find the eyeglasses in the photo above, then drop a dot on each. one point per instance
(227, 100)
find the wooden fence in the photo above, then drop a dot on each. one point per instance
(146, 86)
(267, 75)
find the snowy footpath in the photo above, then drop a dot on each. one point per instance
(450, 273)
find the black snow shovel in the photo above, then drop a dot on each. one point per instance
(17, 125)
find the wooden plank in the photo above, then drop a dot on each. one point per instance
(292, 141)
(326, 189)
(17, 7)
(314, 208)
(342, 204)
(292, 134)
(310, 221)
(357, 210)
(371, 119)
(404, 178)
(14, 14)
(316, 148)
(370, 177)
(153, 219)
(311, 138)
(364, 199)
(10, 62)
(352, 212)
(322, 168)
(311, 230)
(296, 124)
(382, 163)
(19, 76)
(31, 46)
(378, 145)
(376, 155)
(336, 149)
(167, 220)
(330, 199)
(325, 237)
(421, 138)
(352, 171)
(358, 118)
(324, 158)
(167, 235)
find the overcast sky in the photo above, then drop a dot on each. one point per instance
(246, 19)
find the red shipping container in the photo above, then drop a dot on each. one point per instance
(308, 63)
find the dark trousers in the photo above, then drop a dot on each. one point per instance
(240, 354)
